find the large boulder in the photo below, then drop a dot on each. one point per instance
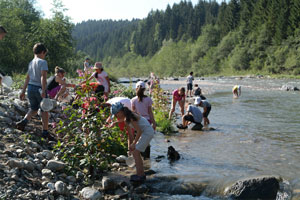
(263, 187)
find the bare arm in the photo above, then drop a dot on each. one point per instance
(152, 117)
(108, 81)
(44, 83)
(22, 95)
(130, 136)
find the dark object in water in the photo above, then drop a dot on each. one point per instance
(197, 127)
(173, 154)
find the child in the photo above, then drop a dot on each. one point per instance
(102, 78)
(2, 32)
(136, 144)
(198, 92)
(178, 95)
(36, 81)
(206, 109)
(193, 115)
(86, 66)
(56, 85)
(236, 91)
(189, 81)
(143, 104)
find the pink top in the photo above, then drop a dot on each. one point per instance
(176, 95)
(142, 107)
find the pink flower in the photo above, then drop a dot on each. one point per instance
(79, 72)
(116, 92)
(53, 124)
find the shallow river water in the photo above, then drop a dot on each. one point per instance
(256, 134)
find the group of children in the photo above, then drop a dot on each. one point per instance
(135, 115)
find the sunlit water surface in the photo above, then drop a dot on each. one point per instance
(257, 134)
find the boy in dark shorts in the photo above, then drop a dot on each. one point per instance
(193, 115)
(36, 85)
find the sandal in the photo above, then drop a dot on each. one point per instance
(136, 178)
(180, 126)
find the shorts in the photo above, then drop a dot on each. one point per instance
(34, 97)
(189, 86)
(144, 141)
(205, 114)
(189, 118)
(52, 93)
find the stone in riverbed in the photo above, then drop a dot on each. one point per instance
(264, 187)
(55, 165)
(90, 194)
(108, 183)
(61, 188)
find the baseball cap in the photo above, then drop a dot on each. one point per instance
(197, 100)
(115, 108)
(140, 84)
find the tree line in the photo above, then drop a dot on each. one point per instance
(237, 36)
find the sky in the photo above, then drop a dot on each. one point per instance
(83, 10)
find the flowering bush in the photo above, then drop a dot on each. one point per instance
(161, 111)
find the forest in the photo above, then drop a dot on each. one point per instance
(234, 37)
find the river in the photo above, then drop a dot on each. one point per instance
(256, 134)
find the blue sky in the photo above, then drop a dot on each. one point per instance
(82, 10)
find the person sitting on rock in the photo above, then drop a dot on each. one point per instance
(198, 92)
(57, 86)
(193, 115)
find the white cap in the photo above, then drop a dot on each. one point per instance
(140, 84)
(197, 100)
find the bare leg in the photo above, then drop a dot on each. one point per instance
(45, 120)
(172, 109)
(181, 104)
(138, 163)
(61, 91)
(30, 114)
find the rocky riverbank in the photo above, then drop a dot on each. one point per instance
(30, 168)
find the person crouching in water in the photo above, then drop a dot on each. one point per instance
(178, 95)
(57, 86)
(137, 144)
(236, 91)
(193, 115)
(206, 109)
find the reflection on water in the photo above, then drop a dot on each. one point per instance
(257, 134)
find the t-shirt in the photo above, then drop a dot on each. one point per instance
(142, 107)
(190, 79)
(35, 68)
(101, 78)
(196, 112)
(205, 104)
(176, 95)
(123, 100)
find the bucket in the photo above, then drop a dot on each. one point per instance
(7, 81)
(46, 104)
(130, 161)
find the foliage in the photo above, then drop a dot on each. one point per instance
(161, 111)
(86, 143)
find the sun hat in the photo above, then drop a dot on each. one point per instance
(115, 108)
(197, 100)
(140, 84)
(98, 65)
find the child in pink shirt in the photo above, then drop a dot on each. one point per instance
(178, 96)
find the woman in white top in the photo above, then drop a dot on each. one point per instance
(102, 78)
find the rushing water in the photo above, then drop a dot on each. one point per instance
(257, 134)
